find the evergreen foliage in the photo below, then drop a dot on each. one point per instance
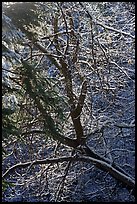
(68, 90)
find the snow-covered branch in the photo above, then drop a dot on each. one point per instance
(126, 180)
(115, 30)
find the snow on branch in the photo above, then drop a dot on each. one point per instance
(115, 30)
(126, 180)
(105, 26)
(125, 125)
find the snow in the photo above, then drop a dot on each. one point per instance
(108, 114)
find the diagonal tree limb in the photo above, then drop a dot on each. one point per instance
(126, 181)
(105, 26)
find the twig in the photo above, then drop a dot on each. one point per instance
(63, 15)
(105, 26)
(60, 190)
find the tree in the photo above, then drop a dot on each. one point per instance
(69, 80)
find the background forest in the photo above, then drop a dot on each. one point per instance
(68, 101)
